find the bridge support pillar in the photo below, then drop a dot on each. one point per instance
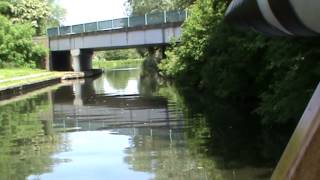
(75, 60)
(81, 60)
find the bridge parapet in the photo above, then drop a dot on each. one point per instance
(127, 22)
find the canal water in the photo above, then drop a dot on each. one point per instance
(124, 125)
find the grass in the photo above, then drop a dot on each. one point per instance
(113, 64)
(21, 76)
(12, 73)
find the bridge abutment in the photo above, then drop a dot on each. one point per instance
(81, 60)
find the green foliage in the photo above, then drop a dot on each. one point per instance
(119, 54)
(195, 40)
(142, 7)
(12, 73)
(57, 13)
(36, 12)
(127, 63)
(4, 7)
(276, 75)
(16, 46)
(26, 18)
(292, 71)
(26, 145)
(39, 13)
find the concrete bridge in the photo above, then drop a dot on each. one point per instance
(72, 47)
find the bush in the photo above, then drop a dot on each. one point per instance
(16, 46)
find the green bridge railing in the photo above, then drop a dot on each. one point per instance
(132, 21)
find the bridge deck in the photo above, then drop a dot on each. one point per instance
(127, 22)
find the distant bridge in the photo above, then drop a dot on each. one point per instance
(72, 47)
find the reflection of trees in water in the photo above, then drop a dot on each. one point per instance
(225, 141)
(149, 82)
(171, 156)
(169, 159)
(24, 147)
(236, 138)
(119, 79)
(148, 85)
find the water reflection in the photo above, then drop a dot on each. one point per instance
(118, 82)
(122, 126)
(26, 137)
(94, 155)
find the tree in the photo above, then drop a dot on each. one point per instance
(37, 12)
(16, 46)
(20, 20)
(40, 13)
(140, 7)
(57, 13)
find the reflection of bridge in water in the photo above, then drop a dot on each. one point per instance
(78, 107)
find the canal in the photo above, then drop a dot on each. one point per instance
(126, 126)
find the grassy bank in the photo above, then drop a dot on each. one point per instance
(16, 77)
(12, 73)
(104, 64)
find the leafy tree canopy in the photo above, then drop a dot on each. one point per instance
(34, 11)
(140, 7)
(40, 13)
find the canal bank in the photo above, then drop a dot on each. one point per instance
(22, 82)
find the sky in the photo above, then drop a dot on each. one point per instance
(84, 11)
